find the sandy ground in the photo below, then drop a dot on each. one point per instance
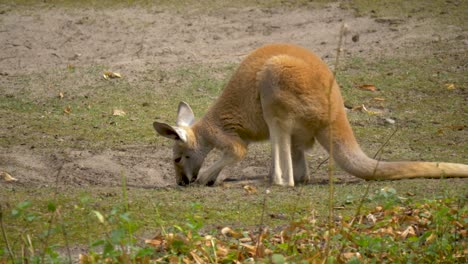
(132, 40)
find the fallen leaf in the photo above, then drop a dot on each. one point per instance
(111, 75)
(278, 216)
(456, 127)
(173, 260)
(60, 95)
(368, 87)
(378, 99)
(7, 177)
(348, 255)
(358, 108)
(245, 240)
(85, 259)
(118, 112)
(431, 238)
(371, 218)
(458, 224)
(99, 216)
(364, 109)
(67, 110)
(250, 189)
(389, 121)
(464, 233)
(197, 258)
(450, 86)
(250, 249)
(409, 231)
(221, 251)
(156, 241)
(227, 231)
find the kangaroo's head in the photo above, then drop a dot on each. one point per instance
(188, 155)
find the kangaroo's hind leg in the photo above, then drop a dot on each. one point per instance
(300, 170)
(282, 166)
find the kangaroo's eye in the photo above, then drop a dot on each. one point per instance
(177, 160)
(187, 157)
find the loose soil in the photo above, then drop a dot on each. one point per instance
(134, 39)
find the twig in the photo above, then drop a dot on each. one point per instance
(10, 252)
(330, 143)
(52, 217)
(260, 227)
(65, 235)
(127, 209)
(378, 153)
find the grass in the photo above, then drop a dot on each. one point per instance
(177, 5)
(84, 118)
(451, 12)
(120, 216)
(42, 223)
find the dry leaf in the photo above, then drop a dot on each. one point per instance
(7, 177)
(278, 216)
(379, 99)
(371, 218)
(245, 240)
(118, 112)
(251, 249)
(358, 108)
(250, 189)
(60, 95)
(67, 110)
(227, 231)
(408, 232)
(348, 255)
(197, 258)
(456, 127)
(85, 259)
(431, 238)
(100, 217)
(155, 242)
(450, 86)
(368, 87)
(173, 260)
(221, 251)
(111, 75)
(364, 109)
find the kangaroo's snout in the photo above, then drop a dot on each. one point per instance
(185, 181)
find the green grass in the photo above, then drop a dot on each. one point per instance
(414, 87)
(42, 121)
(57, 219)
(416, 96)
(445, 12)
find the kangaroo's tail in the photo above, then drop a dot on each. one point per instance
(349, 156)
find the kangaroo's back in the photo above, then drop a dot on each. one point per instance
(238, 108)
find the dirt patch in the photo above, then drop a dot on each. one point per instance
(132, 40)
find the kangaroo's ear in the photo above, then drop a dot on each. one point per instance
(171, 132)
(185, 116)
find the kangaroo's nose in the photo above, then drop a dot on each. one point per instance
(185, 181)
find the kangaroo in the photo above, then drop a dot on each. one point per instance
(286, 94)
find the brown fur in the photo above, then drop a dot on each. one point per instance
(280, 92)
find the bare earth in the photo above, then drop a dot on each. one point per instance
(132, 40)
